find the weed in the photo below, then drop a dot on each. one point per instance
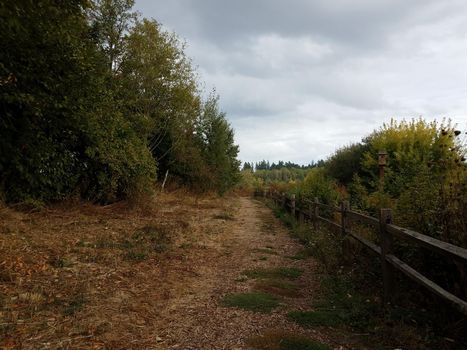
(279, 272)
(224, 216)
(75, 304)
(263, 258)
(158, 237)
(265, 251)
(106, 242)
(241, 279)
(281, 340)
(343, 300)
(186, 245)
(136, 255)
(255, 301)
(301, 255)
(59, 262)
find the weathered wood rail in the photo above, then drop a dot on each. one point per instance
(309, 211)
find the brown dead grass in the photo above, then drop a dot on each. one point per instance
(81, 275)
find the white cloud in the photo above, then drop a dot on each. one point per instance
(300, 78)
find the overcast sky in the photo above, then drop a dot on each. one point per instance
(300, 78)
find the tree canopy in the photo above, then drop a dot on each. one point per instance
(96, 101)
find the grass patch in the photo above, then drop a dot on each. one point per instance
(301, 255)
(147, 240)
(281, 340)
(241, 279)
(59, 262)
(279, 272)
(341, 298)
(340, 304)
(157, 238)
(278, 287)
(134, 255)
(255, 301)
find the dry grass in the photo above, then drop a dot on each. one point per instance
(77, 275)
(278, 287)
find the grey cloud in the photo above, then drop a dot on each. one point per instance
(349, 23)
(300, 78)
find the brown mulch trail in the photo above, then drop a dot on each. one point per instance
(195, 319)
(69, 281)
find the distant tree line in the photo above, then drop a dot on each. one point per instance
(96, 101)
(266, 165)
(263, 172)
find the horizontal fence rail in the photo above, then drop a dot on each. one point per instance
(310, 211)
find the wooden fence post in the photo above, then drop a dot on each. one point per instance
(301, 218)
(292, 204)
(385, 218)
(345, 206)
(316, 214)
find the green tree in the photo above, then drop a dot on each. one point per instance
(48, 83)
(60, 128)
(110, 22)
(220, 150)
(346, 162)
(159, 89)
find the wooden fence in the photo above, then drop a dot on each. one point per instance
(309, 211)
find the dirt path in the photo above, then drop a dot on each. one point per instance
(90, 277)
(194, 318)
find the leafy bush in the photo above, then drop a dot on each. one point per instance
(94, 101)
